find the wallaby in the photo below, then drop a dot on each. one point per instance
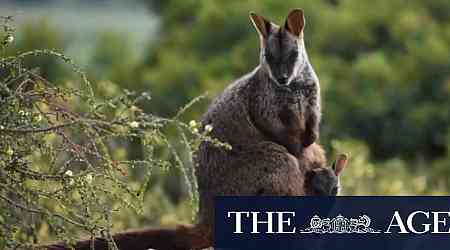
(271, 118)
(324, 181)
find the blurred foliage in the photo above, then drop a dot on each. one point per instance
(385, 76)
(384, 68)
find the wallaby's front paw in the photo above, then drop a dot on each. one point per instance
(309, 137)
(295, 149)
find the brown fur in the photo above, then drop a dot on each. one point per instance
(181, 238)
(271, 129)
(268, 157)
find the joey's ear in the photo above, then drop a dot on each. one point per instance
(262, 25)
(340, 164)
(295, 22)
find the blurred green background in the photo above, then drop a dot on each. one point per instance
(384, 68)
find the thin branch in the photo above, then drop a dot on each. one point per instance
(37, 211)
(37, 130)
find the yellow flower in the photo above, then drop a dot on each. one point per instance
(89, 178)
(208, 128)
(37, 118)
(9, 38)
(192, 124)
(69, 173)
(134, 124)
(10, 151)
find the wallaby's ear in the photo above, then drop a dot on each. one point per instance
(295, 22)
(262, 25)
(340, 164)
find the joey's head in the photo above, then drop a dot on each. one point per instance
(324, 181)
(282, 53)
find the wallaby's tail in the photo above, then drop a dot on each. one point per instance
(180, 238)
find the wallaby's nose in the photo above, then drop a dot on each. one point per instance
(283, 79)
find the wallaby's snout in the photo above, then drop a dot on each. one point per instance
(283, 79)
(281, 47)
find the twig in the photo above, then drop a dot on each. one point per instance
(37, 130)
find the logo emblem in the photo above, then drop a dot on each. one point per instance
(340, 224)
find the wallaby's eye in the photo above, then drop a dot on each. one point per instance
(269, 57)
(293, 56)
(306, 91)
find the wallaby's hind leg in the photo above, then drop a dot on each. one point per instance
(265, 169)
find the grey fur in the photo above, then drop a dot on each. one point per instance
(322, 182)
(271, 128)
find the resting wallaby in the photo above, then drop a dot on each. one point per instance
(271, 118)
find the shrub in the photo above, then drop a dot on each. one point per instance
(63, 164)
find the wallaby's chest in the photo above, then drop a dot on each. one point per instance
(272, 98)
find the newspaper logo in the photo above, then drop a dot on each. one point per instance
(340, 225)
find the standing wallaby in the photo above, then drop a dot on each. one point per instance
(271, 118)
